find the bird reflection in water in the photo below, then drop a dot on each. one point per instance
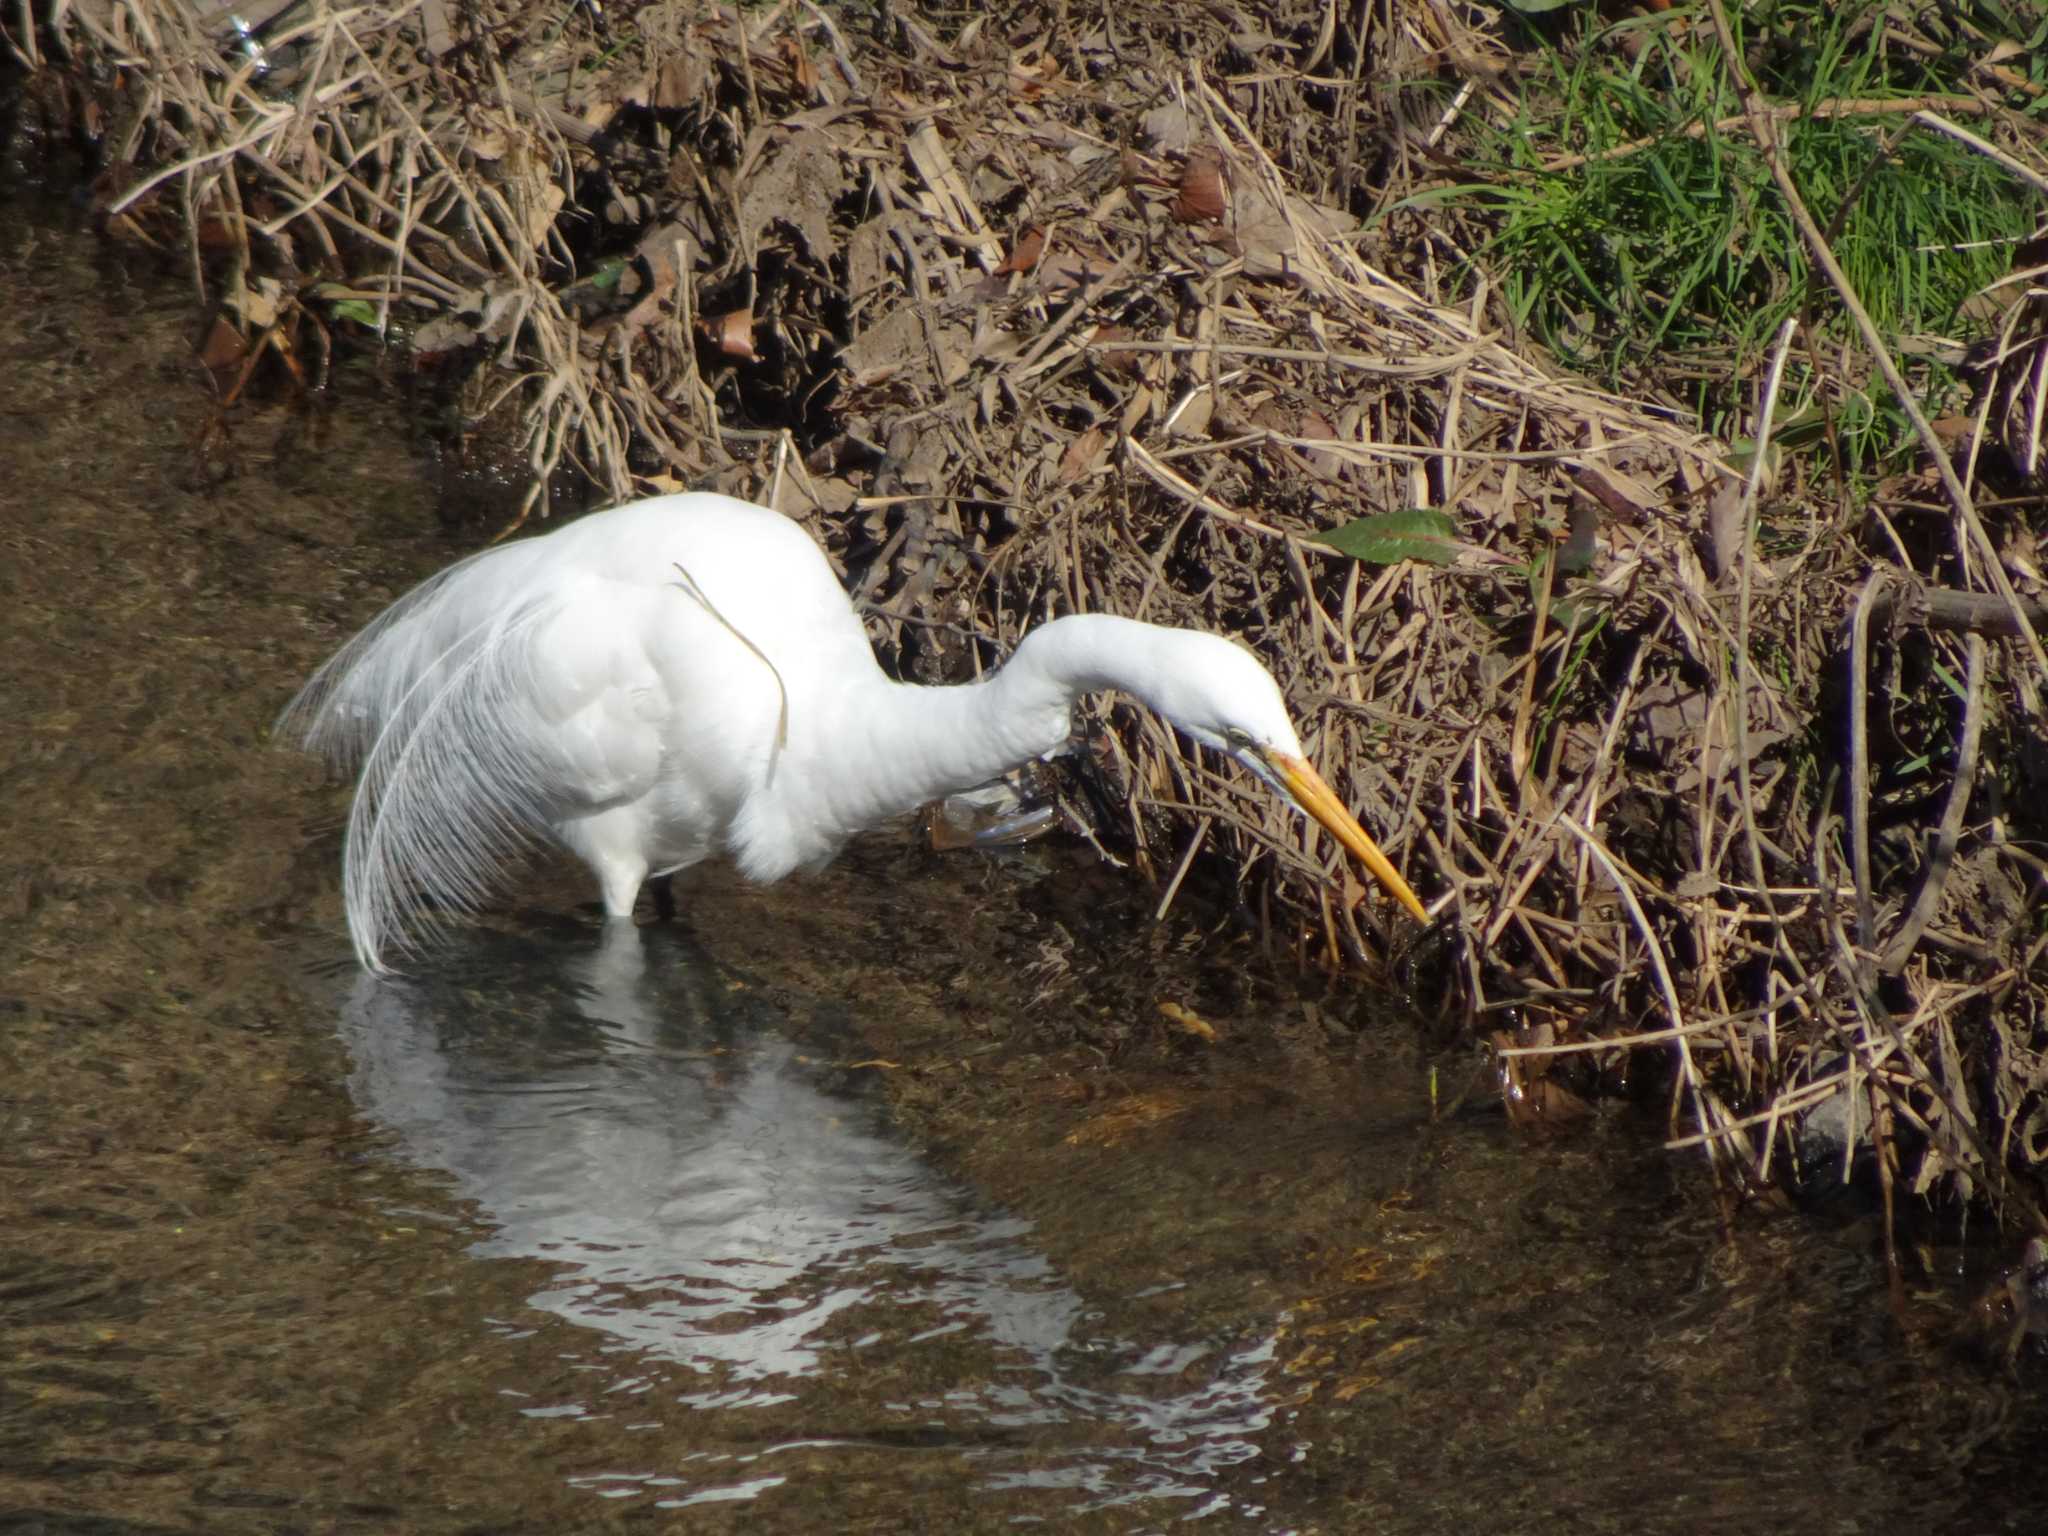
(721, 1200)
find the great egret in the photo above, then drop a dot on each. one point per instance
(684, 676)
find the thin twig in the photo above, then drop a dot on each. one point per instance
(1859, 756)
(1941, 855)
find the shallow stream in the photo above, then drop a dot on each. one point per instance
(825, 1208)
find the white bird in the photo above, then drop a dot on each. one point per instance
(682, 677)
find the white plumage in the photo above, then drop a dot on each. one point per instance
(684, 677)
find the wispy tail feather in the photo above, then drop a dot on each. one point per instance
(455, 763)
(342, 710)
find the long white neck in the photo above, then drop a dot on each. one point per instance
(887, 747)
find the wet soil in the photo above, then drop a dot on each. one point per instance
(255, 1278)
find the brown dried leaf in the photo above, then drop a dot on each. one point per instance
(1533, 1099)
(679, 82)
(1724, 528)
(1265, 228)
(1620, 492)
(1201, 198)
(803, 73)
(223, 349)
(1329, 466)
(1025, 253)
(797, 183)
(1167, 127)
(1083, 454)
(1066, 267)
(732, 333)
(881, 351)
(1191, 416)
(1113, 359)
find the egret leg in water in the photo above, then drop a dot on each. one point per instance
(683, 677)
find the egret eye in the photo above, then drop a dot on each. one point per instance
(1238, 738)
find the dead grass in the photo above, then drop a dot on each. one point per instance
(1076, 311)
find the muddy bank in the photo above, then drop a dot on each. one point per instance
(235, 1298)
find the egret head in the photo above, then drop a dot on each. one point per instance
(1217, 692)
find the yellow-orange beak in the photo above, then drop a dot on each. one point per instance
(1321, 802)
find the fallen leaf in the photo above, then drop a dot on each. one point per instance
(802, 72)
(1200, 199)
(1067, 267)
(1191, 417)
(1532, 1098)
(732, 333)
(1083, 454)
(1266, 228)
(679, 82)
(223, 349)
(1426, 535)
(442, 334)
(1114, 359)
(797, 181)
(1167, 127)
(548, 198)
(1025, 253)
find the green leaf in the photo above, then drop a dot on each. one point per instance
(362, 311)
(1420, 533)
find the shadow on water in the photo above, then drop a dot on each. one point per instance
(737, 1229)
